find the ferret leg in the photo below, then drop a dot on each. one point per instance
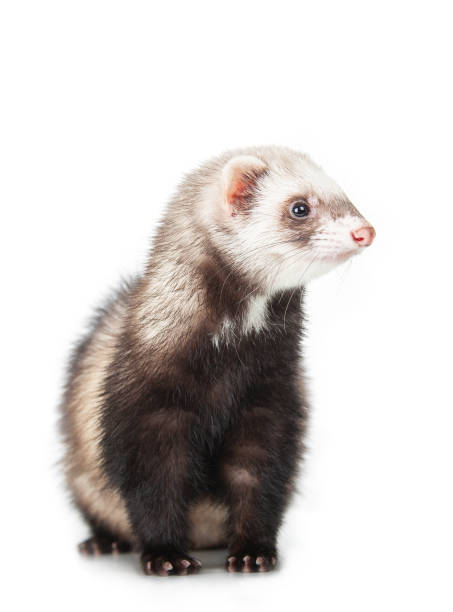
(258, 467)
(103, 542)
(158, 488)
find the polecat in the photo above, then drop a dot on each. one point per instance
(185, 408)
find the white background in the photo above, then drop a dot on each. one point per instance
(104, 106)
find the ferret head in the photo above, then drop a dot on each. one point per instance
(280, 218)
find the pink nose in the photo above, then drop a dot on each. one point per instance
(363, 236)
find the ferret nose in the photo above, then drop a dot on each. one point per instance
(363, 236)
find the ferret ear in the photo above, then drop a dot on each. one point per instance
(239, 177)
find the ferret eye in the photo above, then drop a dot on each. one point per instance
(299, 209)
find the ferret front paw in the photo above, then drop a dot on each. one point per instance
(169, 564)
(247, 563)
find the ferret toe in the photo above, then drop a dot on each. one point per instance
(95, 546)
(247, 564)
(170, 564)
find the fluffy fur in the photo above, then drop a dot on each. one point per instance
(185, 406)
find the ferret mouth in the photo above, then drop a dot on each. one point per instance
(339, 257)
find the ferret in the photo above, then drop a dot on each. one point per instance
(185, 406)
